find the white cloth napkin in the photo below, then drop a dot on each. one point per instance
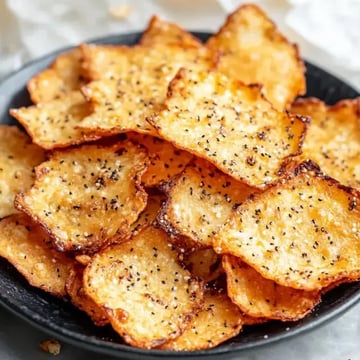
(328, 31)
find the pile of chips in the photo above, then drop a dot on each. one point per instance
(177, 190)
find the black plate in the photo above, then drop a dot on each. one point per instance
(62, 320)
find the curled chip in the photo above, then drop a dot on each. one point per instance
(26, 246)
(54, 124)
(62, 77)
(166, 161)
(303, 232)
(333, 137)
(163, 32)
(148, 215)
(260, 297)
(75, 290)
(88, 196)
(17, 160)
(204, 264)
(132, 86)
(199, 201)
(230, 125)
(254, 51)
(148, 296)
(217, 321)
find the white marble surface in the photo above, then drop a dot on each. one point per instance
(31, 28)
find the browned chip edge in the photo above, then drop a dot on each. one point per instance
(340, 104)
(73, 273)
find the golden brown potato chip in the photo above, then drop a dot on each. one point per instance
(18, 156)
(303, 232)
(148, 296)
(54, 124)
(260, 297)
(27, 246)
(166, 161)
(163, 32)
(204, 263)
(199, 201)
(133, 86)
(75, 290)
(88, 196)
(230, 125)
(333, 137)
(254, 51)
(124, 62)
(218, 321)
(107, 61)
(121, 106)
(62, 77)
(148, 216)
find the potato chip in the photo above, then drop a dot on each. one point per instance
(148, 216)
(88, 196)
(333, 137)
(27, 246)
(260, 297)
(62, 77)
(166, 161)
(229, 124)
(107, 61)
(148, 296)
(303, 232)
(134, 85)
(199, 201)
(254, 51)
(54, 124)
(17, 160)
(204, 264)
(121, 106)
(75, 290)
(218, 321)
(125, 62)
(163, 32)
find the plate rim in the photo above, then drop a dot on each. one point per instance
(118, 350)
(115, 349)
